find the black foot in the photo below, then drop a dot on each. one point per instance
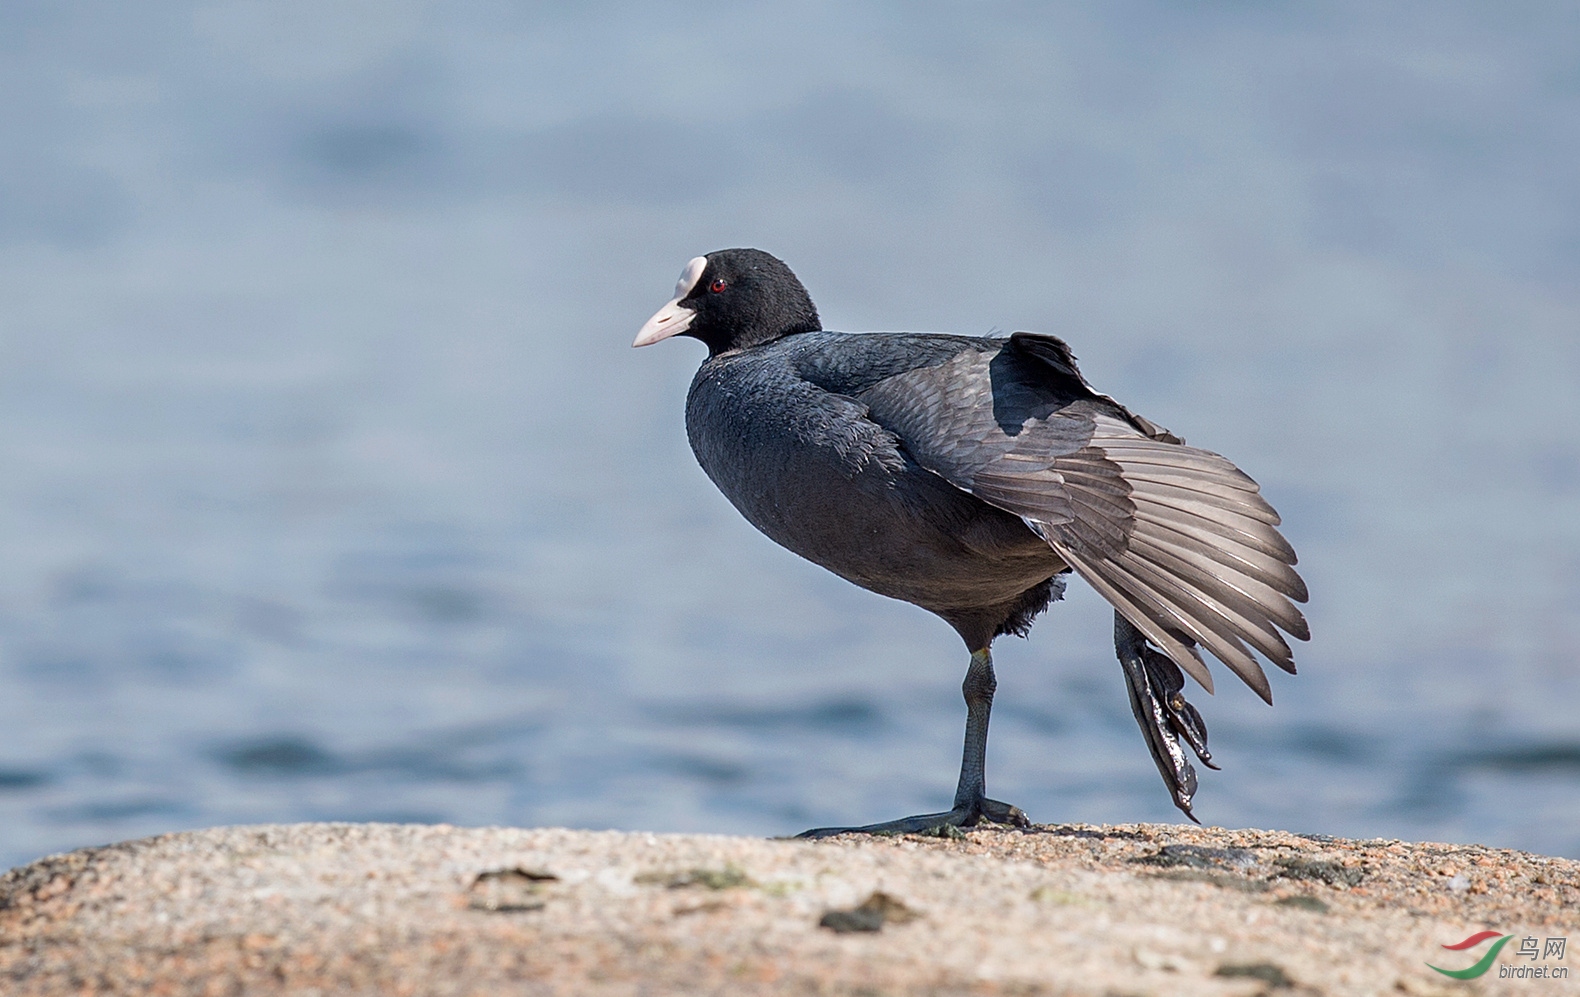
(1157, 699)
(984, 809)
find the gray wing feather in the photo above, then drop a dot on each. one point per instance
(1177, 538)
(1178, 494)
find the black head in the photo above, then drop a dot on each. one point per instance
(732, 299)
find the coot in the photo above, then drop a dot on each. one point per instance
(970, 476)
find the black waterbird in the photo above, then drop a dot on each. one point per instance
(969, 476)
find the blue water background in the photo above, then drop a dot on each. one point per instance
(330, 487)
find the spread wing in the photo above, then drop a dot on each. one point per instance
(1177, 538)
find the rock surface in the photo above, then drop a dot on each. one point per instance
(379, 909)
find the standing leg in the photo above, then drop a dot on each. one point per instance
(978, 689)
(971, 802)
(971, 791)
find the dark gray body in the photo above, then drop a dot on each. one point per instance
(807, 437)
(964, 474)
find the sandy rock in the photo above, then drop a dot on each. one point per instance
(380, 909)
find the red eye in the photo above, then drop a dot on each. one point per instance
(718, 285)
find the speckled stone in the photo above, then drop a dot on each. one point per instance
(382, 909)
